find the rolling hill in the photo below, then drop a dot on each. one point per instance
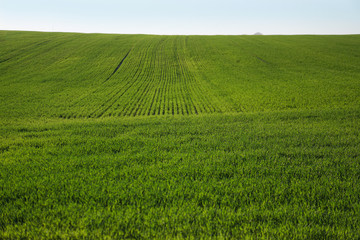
(92, 76)
(179, 137)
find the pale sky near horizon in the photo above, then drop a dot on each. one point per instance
(208, 17)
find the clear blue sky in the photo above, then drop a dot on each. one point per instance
(183, 16)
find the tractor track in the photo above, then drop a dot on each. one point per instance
(118, 66)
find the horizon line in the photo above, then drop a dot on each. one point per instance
(180, 34)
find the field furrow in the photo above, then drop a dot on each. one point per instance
(123, 91)
(154, 77)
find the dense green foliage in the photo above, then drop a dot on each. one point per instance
(136, 136)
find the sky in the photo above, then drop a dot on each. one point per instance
(183, 17)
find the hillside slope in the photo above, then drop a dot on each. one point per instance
(93, 75)
(179, 137)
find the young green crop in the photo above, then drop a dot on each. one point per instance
(91, 76)
(179, 137)
(271, 175)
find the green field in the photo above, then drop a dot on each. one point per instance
(185, 137)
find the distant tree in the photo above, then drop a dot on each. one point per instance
(258, 33)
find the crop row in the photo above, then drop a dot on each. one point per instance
(154, 77)
(92, 76)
